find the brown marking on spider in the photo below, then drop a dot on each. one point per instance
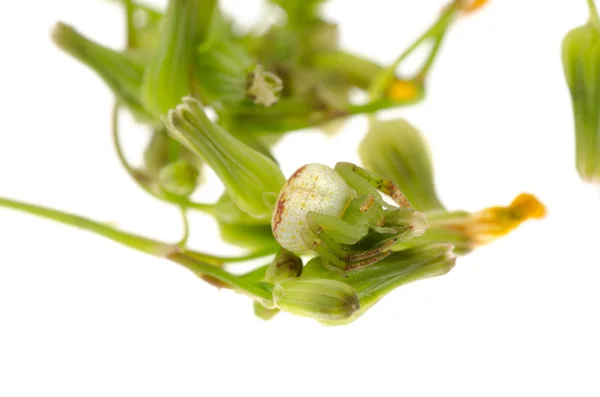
(368, 204)
(295, 174)
(368, 261)
(371, 252)
(281, 204)
(278, 214)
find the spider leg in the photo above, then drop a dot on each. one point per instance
(329, 251)
(337, 229)
(353, 174)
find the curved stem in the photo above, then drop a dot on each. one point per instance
(436, 31)
(172, 252)
(143, 180)
(186, 228)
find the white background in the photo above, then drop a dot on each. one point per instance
(83, 316)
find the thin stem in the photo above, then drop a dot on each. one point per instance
(593, 11)
(380, 83)
(131, 33)
(143, 180)
(186, 228)
(172, 252)
(430, 59)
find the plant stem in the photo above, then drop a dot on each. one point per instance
(172, 252)
(593, 11)
(436, 31)
(143, 180)
(131, 33)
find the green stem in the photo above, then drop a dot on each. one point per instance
(131, 32)
(593, 11)
(143, 180)
(186, 228)
(172, 252)
(436, 31)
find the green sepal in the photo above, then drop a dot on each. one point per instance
(398, 151)
(283, 267)
(264, 313)
(179, 178)
(581, 63)
(375, 281)
(122, 72)
(170, 74)
(317, 298)
(251, 179)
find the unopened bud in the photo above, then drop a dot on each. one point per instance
(284, 267)
(318, 298)
(581, 62)
(251, 179)
(179, 178)
(397, 150)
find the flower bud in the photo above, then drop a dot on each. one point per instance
(373, 282)
(312, 188)
(251, 179)
(179, 178)
(317, 298)
(222, 68)
(122, 72)
(169, 75)
(581, 62)
(284, 267)
(397, 150)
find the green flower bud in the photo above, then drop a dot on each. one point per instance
(122, 72)
(251, 179)
(170, 74)
(317, 298)
(156, 154)
(163, 150)
(222, 68)
(284, 267)
(396, 150)
(179, 178)
(581, 62)
(373, 282)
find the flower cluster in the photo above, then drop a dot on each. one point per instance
(340, 238)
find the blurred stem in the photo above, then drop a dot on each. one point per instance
(131, 32)
(593, 11)
(189, 259)
(436, 32)
(186, 228)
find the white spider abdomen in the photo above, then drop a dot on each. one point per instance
(312, 188)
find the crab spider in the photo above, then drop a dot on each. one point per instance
(340, 214)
